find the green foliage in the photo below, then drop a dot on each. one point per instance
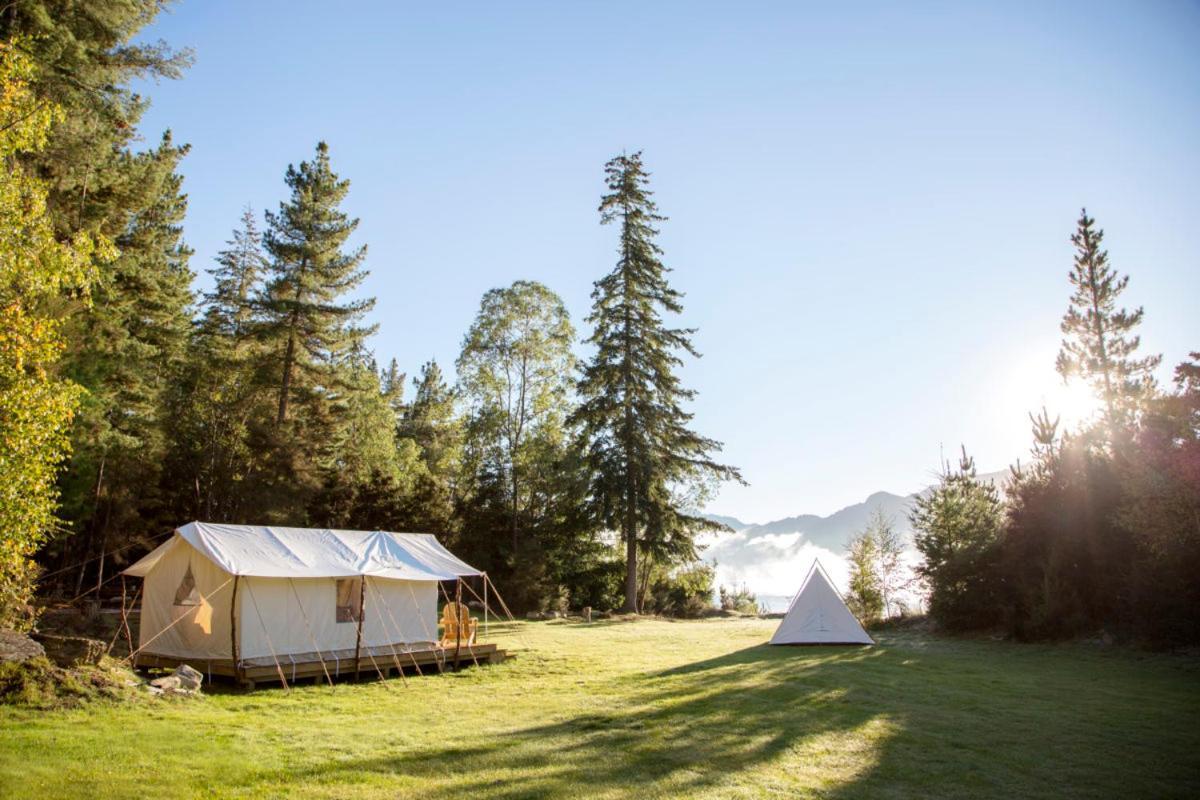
(307, 323)
(36, 407)
(679, 591)
(865, 597)
(515, 372)
(634, 428)
(958, 529)
(740, 599)
(874, 556)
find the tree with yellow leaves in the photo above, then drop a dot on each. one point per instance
(36, 406)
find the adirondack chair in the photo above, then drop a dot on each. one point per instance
(458, 626)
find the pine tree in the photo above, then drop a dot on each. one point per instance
(1100, 341)
(431, 422)
(128, 352)
(957, 530)
(304, 320)
(218, 396)
(86, 53)
(229, 307)
(392, 381)
(633, 424)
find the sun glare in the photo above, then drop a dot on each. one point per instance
(1074, 403)
(1034, 384)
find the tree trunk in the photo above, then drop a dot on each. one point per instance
(631, 562)
(286, 384)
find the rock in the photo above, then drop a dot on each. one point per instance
(587, 613)
(71, 651)
(184, 680)
(189, 678)
(167, 682)
(18, 648)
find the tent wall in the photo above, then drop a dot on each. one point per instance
(283, 616)
(203, 631)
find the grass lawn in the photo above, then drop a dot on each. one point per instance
(655, 709)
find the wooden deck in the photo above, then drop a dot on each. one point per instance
(307, 666)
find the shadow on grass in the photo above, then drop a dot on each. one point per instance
(913, 717)
(689, 728)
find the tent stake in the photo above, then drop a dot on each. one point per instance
(362, 588)
(233, 637)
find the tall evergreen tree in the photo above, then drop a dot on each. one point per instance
(633, 424)
(309, 323)
(1100, 343)
(218, 397)
(128, 351)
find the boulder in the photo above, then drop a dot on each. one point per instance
(189, 678)
(18, 648)
(184, 680)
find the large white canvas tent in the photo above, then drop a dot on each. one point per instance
(233, 597)
(818, 615)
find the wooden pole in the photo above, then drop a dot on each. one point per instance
(233, 635)
(458, 610)
(125, 617)
(485, 605)
(362, 589)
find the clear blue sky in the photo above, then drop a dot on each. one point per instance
(870, 203)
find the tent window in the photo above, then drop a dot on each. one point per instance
(349, 599)
(187, 594)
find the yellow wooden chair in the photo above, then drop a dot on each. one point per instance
(458, 626)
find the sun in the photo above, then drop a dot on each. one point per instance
(1032, 383)
(1074, 402)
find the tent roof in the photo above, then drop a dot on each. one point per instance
(276, 552)
(818, 615)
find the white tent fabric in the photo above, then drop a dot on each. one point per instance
(818, 615)
(293, 589)
(275, 552)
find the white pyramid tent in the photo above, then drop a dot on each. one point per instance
(818, 615)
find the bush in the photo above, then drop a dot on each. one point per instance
(682, 592)
(741, 600)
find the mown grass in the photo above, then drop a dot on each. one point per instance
(655, 709)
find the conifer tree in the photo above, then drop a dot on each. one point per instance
(1100, 343)
(307, 320)
(128, 351)
(218, 397)
(957, 529)
(633, 423)
(229, 307)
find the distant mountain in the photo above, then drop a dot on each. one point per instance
(732, 522)
(772, 557)
(834, 531)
